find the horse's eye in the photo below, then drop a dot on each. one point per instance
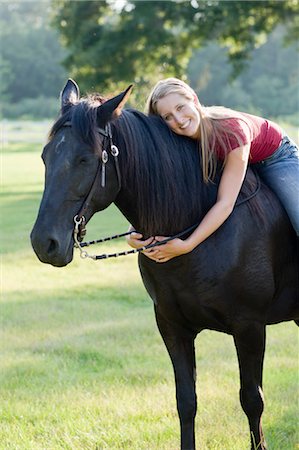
(83, 160)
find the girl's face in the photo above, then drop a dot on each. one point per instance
(180, 114)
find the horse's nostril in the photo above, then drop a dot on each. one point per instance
(52, 246)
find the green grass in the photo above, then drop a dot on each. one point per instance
(82, 363)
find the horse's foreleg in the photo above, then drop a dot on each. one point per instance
(180, 347)
(250, 344)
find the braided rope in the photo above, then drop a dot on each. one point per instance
(85, 254)
(109, 238)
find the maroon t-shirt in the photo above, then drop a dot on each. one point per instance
(265, 137)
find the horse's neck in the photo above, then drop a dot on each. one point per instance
(160, 196)
(125, 203)
(126, 198)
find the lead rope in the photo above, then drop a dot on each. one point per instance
(84, 254)
(80, 221)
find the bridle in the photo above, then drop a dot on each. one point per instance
(84, 254)
(80, 220)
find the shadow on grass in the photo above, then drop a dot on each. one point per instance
(283, 432)
(18, 211)
(93, 341)
(12, 196)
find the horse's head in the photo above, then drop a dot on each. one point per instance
(73, 162)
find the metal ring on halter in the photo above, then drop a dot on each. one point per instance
(84, 254)
(80, 220)
(114, 150)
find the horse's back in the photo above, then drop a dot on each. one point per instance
(247, 269)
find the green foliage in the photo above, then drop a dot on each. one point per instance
(145, 40)
(268, 85)
(30, 53)
(111, 44)
(31, 108)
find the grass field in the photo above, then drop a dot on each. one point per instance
(82, 364)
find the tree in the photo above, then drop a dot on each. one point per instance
(268, 86)
(117, 42)
(30, 52)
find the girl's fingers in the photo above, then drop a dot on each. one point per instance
(135, 235)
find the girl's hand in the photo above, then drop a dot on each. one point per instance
(135, 240)
(165, 252)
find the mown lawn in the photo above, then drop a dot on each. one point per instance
(82, 363)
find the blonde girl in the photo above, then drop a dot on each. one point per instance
(237, 139)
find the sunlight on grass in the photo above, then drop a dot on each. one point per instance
(82, 363)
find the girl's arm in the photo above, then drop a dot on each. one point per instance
(228, 191)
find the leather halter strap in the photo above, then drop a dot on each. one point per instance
(79, 219)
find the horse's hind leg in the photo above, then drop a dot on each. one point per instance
(250, 344)
(180, 346)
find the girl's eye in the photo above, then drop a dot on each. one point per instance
(167, 118)
(180, 107)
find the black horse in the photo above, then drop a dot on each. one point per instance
(239, 280)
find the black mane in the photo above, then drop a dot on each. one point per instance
(162, 171)
(82, 117)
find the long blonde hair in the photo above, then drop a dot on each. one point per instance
(214, 129)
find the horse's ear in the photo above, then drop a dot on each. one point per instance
(113, 106)
(70, 93)
(124, 98)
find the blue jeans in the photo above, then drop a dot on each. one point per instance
(280, 172)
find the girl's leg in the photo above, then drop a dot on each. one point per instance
(281, 173)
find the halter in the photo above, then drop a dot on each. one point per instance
(80, 221)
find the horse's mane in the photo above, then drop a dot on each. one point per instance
(160, 169)
(163, 171)
(82, 117)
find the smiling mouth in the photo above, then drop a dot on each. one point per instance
(185, 125)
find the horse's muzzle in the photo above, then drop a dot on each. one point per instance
(50, 249)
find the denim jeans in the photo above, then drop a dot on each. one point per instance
(280, 172)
